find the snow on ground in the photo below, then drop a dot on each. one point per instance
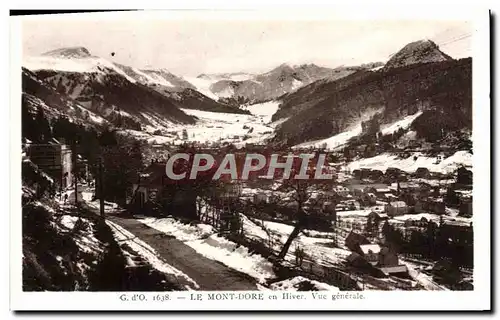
(463, 221)
(376, 68)
(93, 117)
(148, 253)
(203, 86)
(231, 127)
(354, 213)
(293, 284)
(265, 110)
(82, 64)
(203, 239)
(342, 138)
(422, 278)
(228, 92)
(386, 160)
(154, 78)
(85, 239)
(296, 84)
(401, 124)
(335, 141)
(275, 234)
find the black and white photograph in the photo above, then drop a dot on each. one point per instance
(250, 157)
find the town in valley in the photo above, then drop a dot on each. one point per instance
(99, 212)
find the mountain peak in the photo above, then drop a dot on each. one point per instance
(69, 52)
(421, 51)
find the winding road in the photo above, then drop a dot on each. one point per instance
(210, 275)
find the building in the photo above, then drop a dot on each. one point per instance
(380, 192)
(369, 199)
(465, 208)
(341, 191)
(396, 208)
(354, 241)
(388, 262)
(371, 253)
(423, 173)
(430, 205)
(376, 175)
(261, 197)
(55, 159)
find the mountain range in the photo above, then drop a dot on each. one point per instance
(313, 102)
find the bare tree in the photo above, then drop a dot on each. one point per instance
(308, 197)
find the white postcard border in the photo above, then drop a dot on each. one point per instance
(479, 299)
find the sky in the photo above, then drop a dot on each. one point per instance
(190, 47)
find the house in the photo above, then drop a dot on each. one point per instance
(354, 241)
(55, 159)
(377, 214)
(379, 191)
(370, 252)
(430, 205)
(365, 173)
(150, 184)
(153, 186)
(396, 208)
(464, 176)
(353, 204)
(356, 189)
(341, 191)
(388, 257)
(393, 173)
(261, 197)
(423, 173)
(369, 199)
(465, 208)
(341, 207)
(376, 175)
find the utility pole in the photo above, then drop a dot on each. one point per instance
(101, 190)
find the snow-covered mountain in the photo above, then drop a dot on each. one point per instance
(419, 83)
(104, 86)
(249, 88)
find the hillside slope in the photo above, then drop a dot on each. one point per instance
(442, 90)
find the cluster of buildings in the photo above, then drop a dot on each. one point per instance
(367, 255)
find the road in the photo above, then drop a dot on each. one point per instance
(209, 274)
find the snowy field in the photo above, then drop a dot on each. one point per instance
(210, 127)
(338, 140)
(333, 142)
(386, 160)
(275, 234)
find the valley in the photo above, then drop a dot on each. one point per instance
(396, 216)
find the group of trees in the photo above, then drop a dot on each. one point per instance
(435, 242)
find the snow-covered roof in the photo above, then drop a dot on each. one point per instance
(398, 204)
(366, 248)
